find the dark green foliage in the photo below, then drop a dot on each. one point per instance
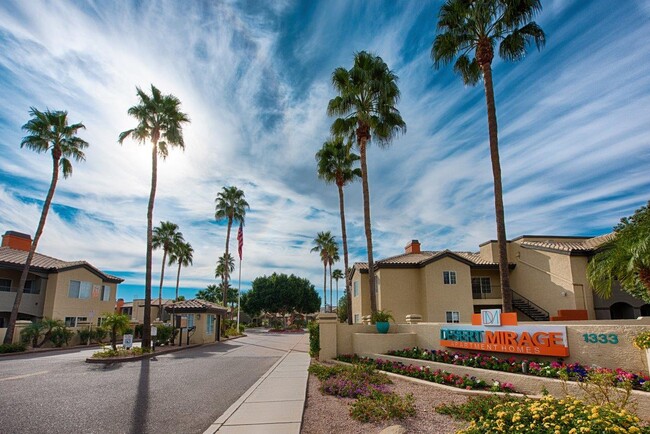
(97, 335)
(165, 335)
(383, 406)
(279, 293)
(39, 332)
(474, 408)
(12, 348)
(60, 336)
(342, 309)
(314, 338)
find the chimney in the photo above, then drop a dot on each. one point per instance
(412, 247)
(17, 240)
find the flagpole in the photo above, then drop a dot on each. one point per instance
(239, 296)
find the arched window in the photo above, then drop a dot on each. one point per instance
(621, 310)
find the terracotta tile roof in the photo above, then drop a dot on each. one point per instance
(196, 304)
(40, 262)
(577, 247)
(424, 257)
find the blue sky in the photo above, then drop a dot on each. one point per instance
(254, 77)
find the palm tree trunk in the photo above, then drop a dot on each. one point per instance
(162, 277)
(56, 156)
(362, 140)
(146, 327)
(226, 270)
(506, 292)
(344, 237)
(324, 286)
(331, 301)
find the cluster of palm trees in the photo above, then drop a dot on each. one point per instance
(168, 238)
(365, 107)
(328, 249)
(230, 205)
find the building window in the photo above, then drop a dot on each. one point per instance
(190, 320)
(106, 293)
(449, 277)
(356, 318)
(356, 288)
(481, 285)
(453, 316)
(78, 289)
(30, 288)
(209, 329)
(5, 285)
(73, 321)
(100, 320)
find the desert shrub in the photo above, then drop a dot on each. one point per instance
(314, 338)
(475, 407)
(12, 348)
(642, 340)
(550, 415)
(85, 335)
(355, 381)
(232, 331)
(242, 328)
(604, 387)
(60, 335)
(380, 406)
(100, 333)
(323, 372)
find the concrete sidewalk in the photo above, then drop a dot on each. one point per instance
(275, 403)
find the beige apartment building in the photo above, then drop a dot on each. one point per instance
(72, 291)
(547, 275)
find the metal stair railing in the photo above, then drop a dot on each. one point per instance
(534, 308)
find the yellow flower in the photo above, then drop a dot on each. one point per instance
(573, 431)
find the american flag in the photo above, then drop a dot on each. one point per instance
(240, 239)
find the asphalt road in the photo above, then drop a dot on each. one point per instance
(181, 392)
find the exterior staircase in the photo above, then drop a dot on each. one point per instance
(530, 309)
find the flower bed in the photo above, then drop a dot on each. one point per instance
(556, 369)
(425, 373)
(120, 352)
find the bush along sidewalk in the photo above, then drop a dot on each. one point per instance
(555, 369)
(375, 401)
(426, 373)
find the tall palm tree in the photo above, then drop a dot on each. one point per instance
(338, 274)
(160, 121)
(336, 164)
(166, 237)
(47, 131)
(321, 243)
(332, 257)
(624, 258)
(366, 103)
(230, 205)
(477, 27)
(181, 253)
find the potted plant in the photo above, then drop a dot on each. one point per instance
(642, 342)
(381, 318)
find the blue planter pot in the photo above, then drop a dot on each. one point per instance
(382, 327)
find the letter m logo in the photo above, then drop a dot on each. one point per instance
(491, 317)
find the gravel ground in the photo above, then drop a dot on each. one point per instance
(326, 414)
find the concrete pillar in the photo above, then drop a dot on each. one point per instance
(327, 323)
(20, 326)
(413, 318)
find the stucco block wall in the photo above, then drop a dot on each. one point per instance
(439, 298)
(621, 355)
(58, 305)
(344, 336)
(400, 292)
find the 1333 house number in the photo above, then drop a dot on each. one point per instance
(593, 338)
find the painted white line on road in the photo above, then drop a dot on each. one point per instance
(18, 377)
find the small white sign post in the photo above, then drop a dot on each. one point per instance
(127, 342)
(91, 316)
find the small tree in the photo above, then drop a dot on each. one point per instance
(116, 323)
(40, 329)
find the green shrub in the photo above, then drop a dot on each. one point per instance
(84, 336)
(382, 406)
(100, 333)
(60, 336)
(12, 348)
(323, 372)
(138, 331)
(242, 328)
(232, 331)
(642, 340)
(165, 335)
(381, 316)
(314, 339)
(550, 415)
(120, 352)
(475, 407)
